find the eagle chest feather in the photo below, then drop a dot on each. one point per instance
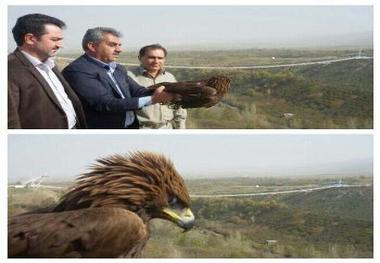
(106, 213)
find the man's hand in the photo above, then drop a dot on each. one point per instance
(160, 96)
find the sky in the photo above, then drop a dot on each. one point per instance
(194, 27)
(63, 157)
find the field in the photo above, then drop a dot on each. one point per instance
(332, 95)
(335, 222)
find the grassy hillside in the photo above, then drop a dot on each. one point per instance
(21, 200)
(356, 203)
(339, 231)
(335, 222)
(337, 95)
(248, 57)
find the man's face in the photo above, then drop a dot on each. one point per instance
(108, 49)
(46, 45)
(153, 60)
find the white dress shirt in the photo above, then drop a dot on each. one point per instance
(45, 68)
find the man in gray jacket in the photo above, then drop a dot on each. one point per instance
(150, 72)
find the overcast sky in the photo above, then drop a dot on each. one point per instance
(195, 155)
(213, 26)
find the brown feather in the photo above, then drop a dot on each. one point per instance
(199, 93)
(142, 175)
(81, 233)
(105, 213)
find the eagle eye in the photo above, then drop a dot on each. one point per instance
(173, 201)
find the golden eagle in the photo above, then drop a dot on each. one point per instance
(196, 94)
(106, 213)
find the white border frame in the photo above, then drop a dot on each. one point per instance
(3, 112)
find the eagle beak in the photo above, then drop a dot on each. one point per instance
(183, 218)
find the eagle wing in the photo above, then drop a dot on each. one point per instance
(91, 232)
(199, 93)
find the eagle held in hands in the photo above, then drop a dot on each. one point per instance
(106, 213)
(196, 94)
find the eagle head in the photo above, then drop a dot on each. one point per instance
(145, 183)
(220, 83)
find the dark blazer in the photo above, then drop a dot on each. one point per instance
(102, 103)
(31, 101)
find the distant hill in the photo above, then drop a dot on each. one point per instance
(336, 95)
(350, 75)
(353, 203)
(334, 222)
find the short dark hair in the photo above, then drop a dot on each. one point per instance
(145, 49)
(35, 24)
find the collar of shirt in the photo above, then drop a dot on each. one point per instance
(144, 72)
(47, 64)
(108, 66)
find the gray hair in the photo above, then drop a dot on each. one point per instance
(95, 35)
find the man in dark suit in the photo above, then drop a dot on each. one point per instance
(38, 95)
(109, 96)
